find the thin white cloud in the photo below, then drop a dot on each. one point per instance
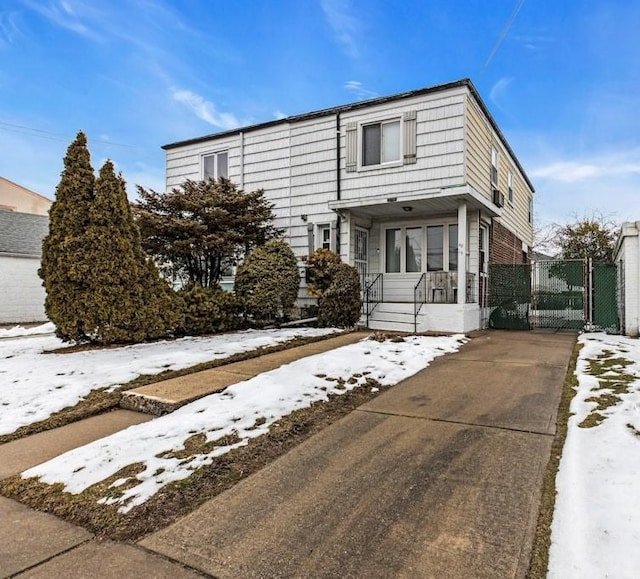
(206, 110)
(358, 89)
(534, 42)
(345, 26)
(279, 115)
(499, 89)
(8, 27)
(69, 15)
(618, 166)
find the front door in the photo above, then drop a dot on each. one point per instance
(361, 251)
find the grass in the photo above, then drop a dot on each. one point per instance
(181, 497)
(542, 540)
(99, 401)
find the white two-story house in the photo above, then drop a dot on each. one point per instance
(420, 191)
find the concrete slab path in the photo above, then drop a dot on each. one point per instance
(438, 477)
(168, 395)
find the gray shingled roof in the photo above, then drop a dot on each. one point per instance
(22, 233)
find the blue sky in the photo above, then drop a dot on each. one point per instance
(562, 79)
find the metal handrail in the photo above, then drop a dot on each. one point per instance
(419, 299)
(372, 295)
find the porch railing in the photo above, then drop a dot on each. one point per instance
(372, 293)
(419, 298)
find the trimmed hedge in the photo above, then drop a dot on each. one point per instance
(209, 310)
(268, 281)
(340, 305)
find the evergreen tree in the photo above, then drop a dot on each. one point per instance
(128, 302)
(268, 281)
(197, 230)
(101, 287)
(64, 267)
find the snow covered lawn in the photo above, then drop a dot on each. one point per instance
(34, 385)
(171, 447)
(596, 525)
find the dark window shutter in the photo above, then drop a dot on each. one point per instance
(410, 146)
(352, 147)
(310, 241)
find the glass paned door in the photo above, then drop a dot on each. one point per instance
(361, 251)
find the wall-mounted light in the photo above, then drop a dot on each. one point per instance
(304, 217)
(391, 199)
(407, 208)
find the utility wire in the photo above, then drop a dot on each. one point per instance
(21, 129)
(504, 33)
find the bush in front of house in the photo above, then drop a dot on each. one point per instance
(209, 310)
(340, 305)
(321, 265)
(268, 281)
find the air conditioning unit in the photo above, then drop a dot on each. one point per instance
(498, 198)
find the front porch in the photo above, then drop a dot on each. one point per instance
(427, 252)
(419, 302)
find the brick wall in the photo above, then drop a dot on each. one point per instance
(504, 246)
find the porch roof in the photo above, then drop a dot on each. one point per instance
(439, 201)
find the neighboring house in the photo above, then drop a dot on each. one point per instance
(627, 255)
(14, 197)
(24, 222)
(419, 191)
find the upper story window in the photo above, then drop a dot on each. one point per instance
(215, 165)
(530, 217)
(385, 143)
(494, 166)
(510, 186)
(381, 143)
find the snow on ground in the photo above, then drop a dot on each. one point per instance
(18, 331)
(596, 527)
(241, 412)
(35, 384)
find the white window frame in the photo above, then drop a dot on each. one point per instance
(495, 166)
(510, 186)
(321, 228)
(215, 155)
(382, 121)
(403, 249)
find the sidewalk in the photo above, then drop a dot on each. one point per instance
(438, 477)
(45, 546)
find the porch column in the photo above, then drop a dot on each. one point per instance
(462, 252)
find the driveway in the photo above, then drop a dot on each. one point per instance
(438, 477)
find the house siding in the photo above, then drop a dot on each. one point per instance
(480, 138)
(504, 245)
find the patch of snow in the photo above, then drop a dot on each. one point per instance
(596, 528)
(19, 331)
(35, 384)
(231, 418)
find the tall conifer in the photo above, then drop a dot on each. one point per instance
(109, 292)
(64, 267)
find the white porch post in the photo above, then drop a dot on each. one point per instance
(462, 252)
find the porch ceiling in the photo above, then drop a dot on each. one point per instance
(433, 202)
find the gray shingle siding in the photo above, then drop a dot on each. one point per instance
(22, 233)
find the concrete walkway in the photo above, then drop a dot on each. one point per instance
(438, 477)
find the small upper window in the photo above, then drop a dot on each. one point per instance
(510, 186)
(530, 210)
(494, 166)
(381, 143)
(216, 165)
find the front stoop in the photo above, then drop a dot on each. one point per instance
(396, 316)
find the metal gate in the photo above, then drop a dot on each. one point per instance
(556, 294)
